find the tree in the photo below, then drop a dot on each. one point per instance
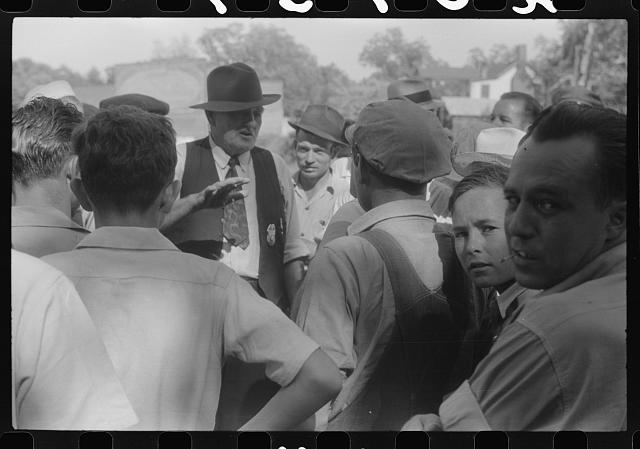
(394, 57)
(176, 48)
(498, 55)
(273, 53)
(26, 74)
(94, 77)
(590, 52)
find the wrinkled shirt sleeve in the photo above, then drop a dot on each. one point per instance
(326, 314)
(515, 385)
(256, 331)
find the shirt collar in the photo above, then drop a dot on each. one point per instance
(125, 237)
(609, 262)
(222, 158)
(326, 181)
(507, 297)
(44, 216)
(393, 209)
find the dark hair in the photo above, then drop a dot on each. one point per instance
(484, 174)
(608, 130)
(532, 108)
(42, 138)
(367, 171)
(126, 156)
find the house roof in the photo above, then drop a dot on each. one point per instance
(496, 71)
(450, 73)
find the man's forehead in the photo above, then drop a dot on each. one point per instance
(308, 139)
(553, 161)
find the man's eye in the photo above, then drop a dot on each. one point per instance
(488, 228)
(546, 206)
(512, 202)
(460, 234)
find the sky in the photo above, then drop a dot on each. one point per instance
(83, 43)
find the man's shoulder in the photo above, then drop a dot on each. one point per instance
(590, 309)
(175, 266)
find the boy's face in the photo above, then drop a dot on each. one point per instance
(510, 114)
(313, 155)
(554, 223)
(480, 240)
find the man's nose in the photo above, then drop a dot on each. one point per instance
(474, 242)
(519, 223)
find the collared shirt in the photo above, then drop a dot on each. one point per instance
(315, 213)
(62, 376)
(169, 318)
(245, 262)
(43, 230)
(561, 363)
(347, 302)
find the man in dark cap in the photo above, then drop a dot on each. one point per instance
(318, 139)
(417, 90)
(144, 102)
(359, 288)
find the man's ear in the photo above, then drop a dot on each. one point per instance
(70, 168)
(169, 195)
(77, 187)
(617, 224)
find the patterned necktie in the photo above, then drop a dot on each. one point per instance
(235, 227)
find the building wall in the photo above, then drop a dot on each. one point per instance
(496, 87)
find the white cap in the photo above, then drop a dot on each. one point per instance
(55, 89)
(499, 141)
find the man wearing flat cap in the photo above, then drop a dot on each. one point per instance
(318, 139)
(417, 90)
(371, 295)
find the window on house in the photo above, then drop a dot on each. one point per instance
(484, 93)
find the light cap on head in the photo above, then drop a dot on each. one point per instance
(55, 89)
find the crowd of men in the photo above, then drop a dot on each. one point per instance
(406, 277)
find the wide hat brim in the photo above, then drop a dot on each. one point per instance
(318, 132)
(230, 106)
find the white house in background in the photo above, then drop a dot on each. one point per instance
(517, 76)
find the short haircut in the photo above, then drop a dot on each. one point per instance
(605, 127)
(532, 108)
(41, 138)
(367, 171)
(126, 157)
(484, 174)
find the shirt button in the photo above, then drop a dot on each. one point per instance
(306, 208)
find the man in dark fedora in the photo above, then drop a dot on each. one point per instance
(258, 235)
(318, 139)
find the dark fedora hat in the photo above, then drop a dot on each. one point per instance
(414, 89)
(234, 87)
(323, 121)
